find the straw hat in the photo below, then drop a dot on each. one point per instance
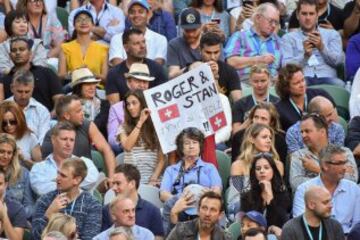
(82, 75)
(139, 71)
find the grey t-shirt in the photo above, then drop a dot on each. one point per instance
(180, 54)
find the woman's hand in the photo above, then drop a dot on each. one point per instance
(267, 192)
(145, 113)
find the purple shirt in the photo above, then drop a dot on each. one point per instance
(352, 62)
(116, 117)
(249, 44)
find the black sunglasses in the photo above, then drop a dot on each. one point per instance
(6, 123)
(266, 155)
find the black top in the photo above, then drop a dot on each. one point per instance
(277, 212)
(241, 108)
(116, 81)
(280, 145)
(347, 12)
(314, 232)
(228, 78)
(46, 85)
(334, 15)
(289, 115)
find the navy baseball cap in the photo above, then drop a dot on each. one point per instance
(190, 19)
(255, 216)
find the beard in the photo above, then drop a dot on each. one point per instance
(206, 225)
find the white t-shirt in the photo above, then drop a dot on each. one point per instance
(156, 46)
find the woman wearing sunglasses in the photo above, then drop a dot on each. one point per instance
(267, 194)
(19, 182)
(13, 122)
(62, 223)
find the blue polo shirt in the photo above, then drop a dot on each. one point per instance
(146, 215)
(202, 173)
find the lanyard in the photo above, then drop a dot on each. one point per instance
(296, 107)
(308, 229)
(72, 208)
(254, 98)
(37, 34)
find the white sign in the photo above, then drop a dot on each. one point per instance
(190, 100)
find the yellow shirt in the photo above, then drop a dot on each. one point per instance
(95, 56)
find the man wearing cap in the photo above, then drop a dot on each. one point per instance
(210, 211)
(134, 45)
(156, 44)
(254, 219)
(109, 20)
(316, 222)
(184, 50)
(47, 86)
(258, 45)
(138, 77)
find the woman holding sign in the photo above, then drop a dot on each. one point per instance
(138, 138)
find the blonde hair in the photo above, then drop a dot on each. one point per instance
(59, 222)
(248, 149)
(14, 171)
(259, 68)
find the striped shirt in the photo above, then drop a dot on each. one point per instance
(144, 159)
(249, 44)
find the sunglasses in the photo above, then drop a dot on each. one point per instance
(339, 163)
(6, 123)
(266, 155)
(35, 1)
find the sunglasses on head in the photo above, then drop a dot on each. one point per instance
(6, 123)
(266, 155)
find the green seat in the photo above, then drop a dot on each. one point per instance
(234, 229)
(63, 16)
(224, 163)
(344, 124)
(341, 97)
(98, 160)
(97, 195)
(27, 234)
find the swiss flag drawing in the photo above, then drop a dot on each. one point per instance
(168, 113)
(218, 121)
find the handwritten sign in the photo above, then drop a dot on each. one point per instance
(190, 100)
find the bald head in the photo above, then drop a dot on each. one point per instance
(313, 193)
(324, 107)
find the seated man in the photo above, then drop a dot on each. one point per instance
(12, 213)
(317, 217)
(156, 44)
(317, 50)
(322, 106)
(255, 220)
(210, 210)
(37, 116)
(123, 214)
(305, 162)
(69, 108)
(110, 20)
(184, 50)
(135, 48)
(344, 194)
(47, 87)
(352, 140)
(43, 174)
(352, 63)
(240, 51)
(294, 95)
(260, 83)
(69, 199)
(126, 182)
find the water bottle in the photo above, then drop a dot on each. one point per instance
(348, 86)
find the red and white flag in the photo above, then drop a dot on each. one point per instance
(168, 113)
(218, 121)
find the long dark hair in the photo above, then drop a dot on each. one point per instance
(217, 4)
(147, 133)
(277, 183)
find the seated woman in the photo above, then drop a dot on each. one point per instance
(190, 171)
(264, 113)
(43, 26)
(139, 141)
(19, 182)
(13, 122)
(267, 194)
(259, 138)
(82, 50)
(84, 84)
(16, 25)
(63, 223)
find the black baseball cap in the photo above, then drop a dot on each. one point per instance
(190, 19)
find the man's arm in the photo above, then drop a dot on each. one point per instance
(92, 222)
(102, 146)
(235, 95)
(332, 51)
(297, 171)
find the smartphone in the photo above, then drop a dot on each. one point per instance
(216, 20)
(247, 3)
